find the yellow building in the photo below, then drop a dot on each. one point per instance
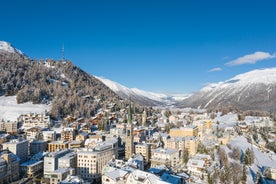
(208, 123)
(57, 145)
(190, 130)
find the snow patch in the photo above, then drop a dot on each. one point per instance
(7, 47)
(10, 110)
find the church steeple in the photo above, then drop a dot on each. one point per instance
(129, 113)
(129, 148)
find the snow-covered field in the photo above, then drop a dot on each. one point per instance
(10, 110)
(228, 120)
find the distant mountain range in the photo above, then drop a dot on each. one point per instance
(254, 90)
(144, 97)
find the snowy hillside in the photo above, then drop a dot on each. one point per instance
(10, 110)
(254, 90)
(144, 97)
(7, 47)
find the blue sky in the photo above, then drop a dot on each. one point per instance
(155, 45)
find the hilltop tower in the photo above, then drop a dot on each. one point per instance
(129, 148)
(62, 52)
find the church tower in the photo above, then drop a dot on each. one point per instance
(129, 148)
(144, 118)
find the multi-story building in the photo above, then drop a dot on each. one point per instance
(167, 156)
(183, 143)
(9, 167)
(144, 150)
(33, 119)
(68, 134)
(38, 146)
(115, 176)
(58, 175)
(57, 145)
(31, 169)
(49, 135)
(33, 133)
(91, 162)
(190, 130)
(8, 126)
(51, 162)
(68, 161)
(19, 148)
(140, 177)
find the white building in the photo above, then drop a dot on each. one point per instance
(49, 135)
(165, 156)
(90, 162)
(116, 176)
(196, 166)
(68, 161)
(33, 119)
(51, 162)
(140, 177)
(19, 148)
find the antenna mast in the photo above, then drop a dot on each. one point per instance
(63, 52)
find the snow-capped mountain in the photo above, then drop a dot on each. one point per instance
(254, 90)
(143, 97)
(7, 47)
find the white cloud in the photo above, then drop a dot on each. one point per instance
(251, 58)
(215, 69)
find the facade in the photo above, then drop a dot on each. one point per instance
(33, 120)
(129, 147)
(9, 127)
(38, 146)
(183, 143)
(19, 148)
(57, 145)
(49, 135)
(51, 162)
(33, 133)
(31, 169)
(90, 162)
(144, 150)
(9, 167)
(68, 161)
(190, 130)
(58, 175)
(68, 134)
(167, 156)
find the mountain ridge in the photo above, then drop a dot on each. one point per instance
(253, 90)
(7, 47)
(144, 97)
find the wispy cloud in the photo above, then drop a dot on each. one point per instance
(251, 58)
(217, 69)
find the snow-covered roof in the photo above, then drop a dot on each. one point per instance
(117, 173)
